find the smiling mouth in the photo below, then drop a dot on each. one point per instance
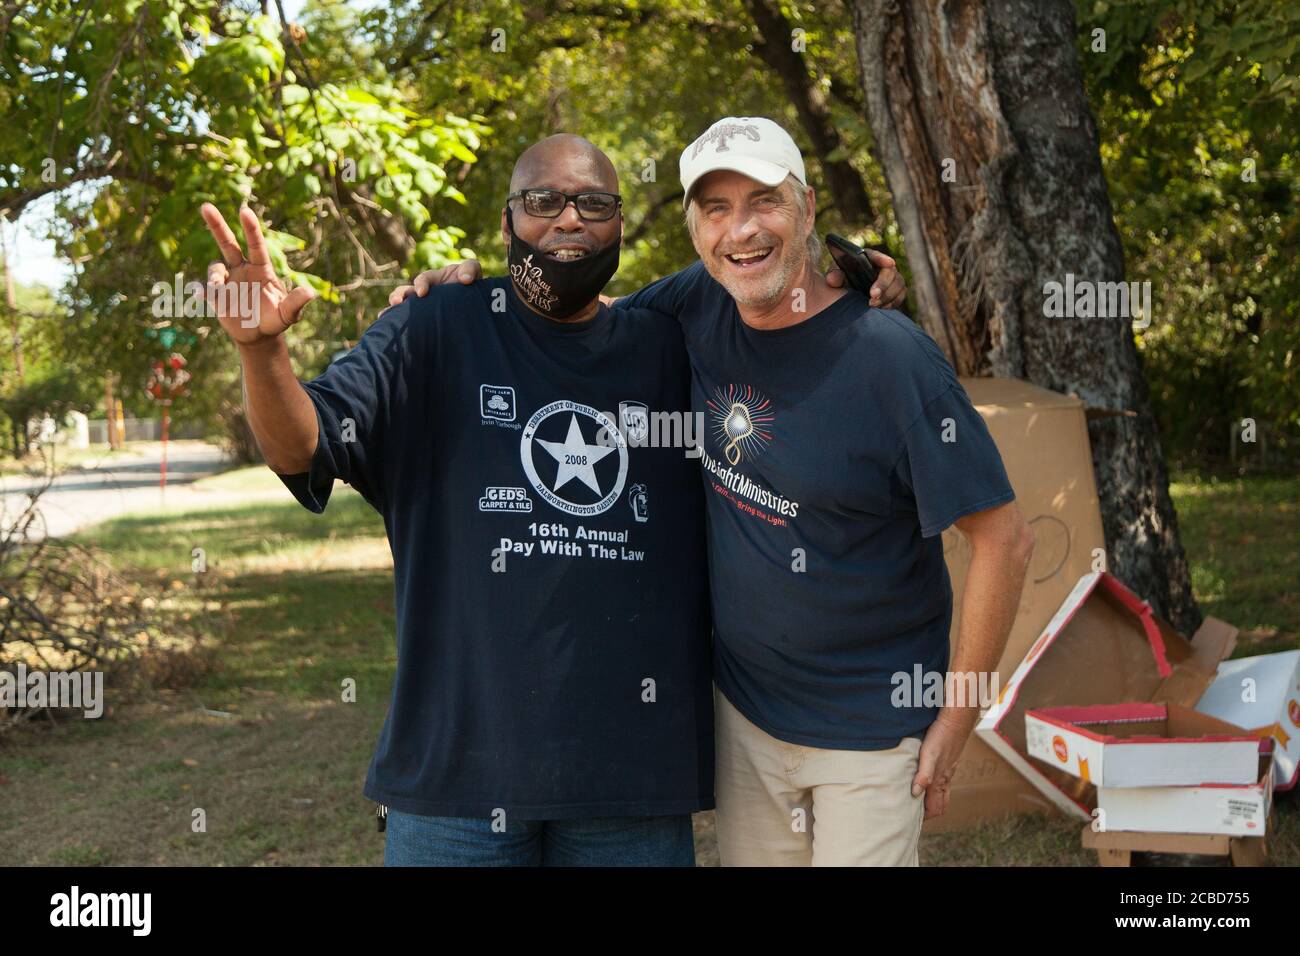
(567, 254)
(749, 259)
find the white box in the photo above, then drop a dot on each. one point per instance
(1271, 707)
(1234, 810)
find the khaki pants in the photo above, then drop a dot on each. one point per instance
(783, 804)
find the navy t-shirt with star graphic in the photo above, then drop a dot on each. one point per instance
(836, 451)
(548, 552)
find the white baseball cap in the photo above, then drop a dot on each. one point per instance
(751, 145)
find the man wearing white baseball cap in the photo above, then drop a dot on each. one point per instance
(753, 145)
(840, 446)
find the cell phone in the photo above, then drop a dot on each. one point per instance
(852, 259)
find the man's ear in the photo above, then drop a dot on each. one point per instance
(505, 233)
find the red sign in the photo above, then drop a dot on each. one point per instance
(167, 380)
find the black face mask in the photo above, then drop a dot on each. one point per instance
(559, 289)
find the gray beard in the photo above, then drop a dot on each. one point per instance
(773, 292)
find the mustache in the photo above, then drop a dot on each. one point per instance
(761, 241)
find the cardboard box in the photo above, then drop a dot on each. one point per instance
(1043, 439)
(1230, 809)
(1104, 645)
(1142, 745)
(1262, 694)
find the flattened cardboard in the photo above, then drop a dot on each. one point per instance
(1142, 745)
(1262, 694)
(1104, 645)
(1228, 809)
(1043, 439)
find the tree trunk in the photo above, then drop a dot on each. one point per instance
(992, 157)
(239, 441)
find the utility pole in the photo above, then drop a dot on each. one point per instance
(110, 413)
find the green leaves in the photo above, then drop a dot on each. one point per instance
(159, 105)
(1200, 152)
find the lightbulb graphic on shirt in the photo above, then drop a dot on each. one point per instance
(738, 428)
(741, 416)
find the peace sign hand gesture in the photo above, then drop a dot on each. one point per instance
(253, 305)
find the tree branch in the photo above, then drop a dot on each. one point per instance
(656, 207)
(776, 51)
(12, 203)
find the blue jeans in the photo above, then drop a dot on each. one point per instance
(413, 840)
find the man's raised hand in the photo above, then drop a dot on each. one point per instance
(252, 304)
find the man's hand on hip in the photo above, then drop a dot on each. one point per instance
(937, 762)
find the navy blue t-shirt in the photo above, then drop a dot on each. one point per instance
(836, 451)
(552, 610)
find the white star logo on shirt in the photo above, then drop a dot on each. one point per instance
(575, 457)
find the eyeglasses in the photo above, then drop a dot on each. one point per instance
(549, 203)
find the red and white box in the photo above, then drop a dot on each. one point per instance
(1142, 745)
(1103, 646)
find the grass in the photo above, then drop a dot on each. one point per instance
(299, 605)
(1242, 537)
(260, 762)
(254, 478)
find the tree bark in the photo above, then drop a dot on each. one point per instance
(992, 157)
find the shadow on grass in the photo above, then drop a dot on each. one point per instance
(167, 541)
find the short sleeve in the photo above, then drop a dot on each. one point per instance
(950, 464)
(354, 400)
(669, 295)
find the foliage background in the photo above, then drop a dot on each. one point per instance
(146, 108)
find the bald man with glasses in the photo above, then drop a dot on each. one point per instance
(551, 704)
